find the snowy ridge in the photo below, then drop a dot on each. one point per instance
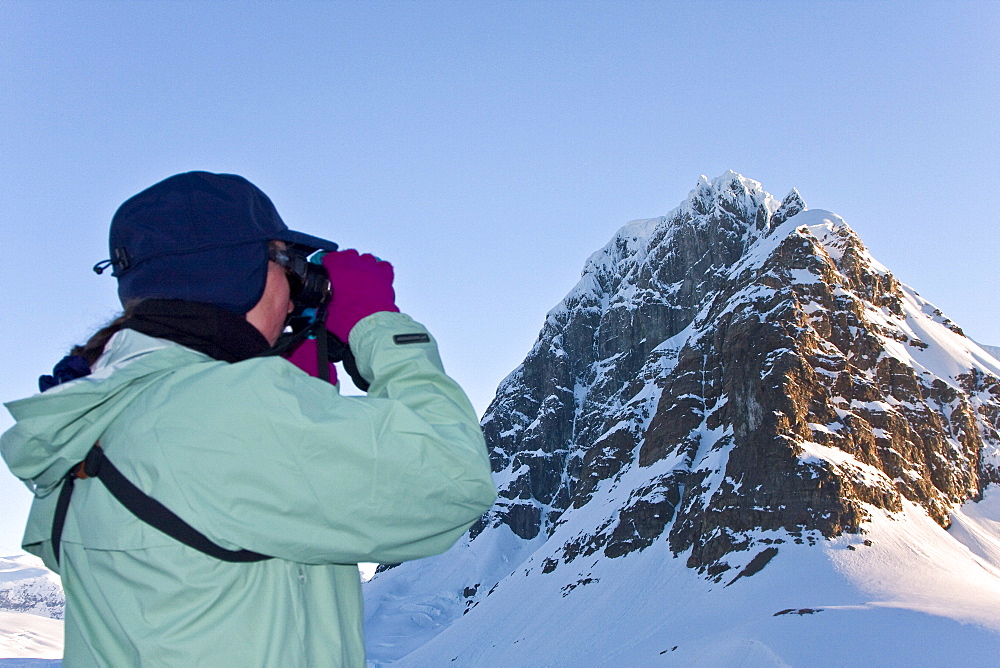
(734, 385)
(610, 274)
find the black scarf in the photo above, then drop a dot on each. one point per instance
(206, 328)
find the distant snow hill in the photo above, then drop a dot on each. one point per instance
(739, 440)
(26, 586)
(31, 612)
(992, 350)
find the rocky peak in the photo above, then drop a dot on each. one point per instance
(730, 198)
(791, 205)
(647, 284)
(747, 367)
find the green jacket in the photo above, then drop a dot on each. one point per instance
(255, 455)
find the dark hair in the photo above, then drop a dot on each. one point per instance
(94, 347)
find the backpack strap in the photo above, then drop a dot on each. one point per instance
(140, 504)
(62, 507)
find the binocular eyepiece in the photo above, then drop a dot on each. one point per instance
(309, 281)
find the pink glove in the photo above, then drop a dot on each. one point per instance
(362, 285)
(306, 359)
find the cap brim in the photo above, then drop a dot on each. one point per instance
(306, 240)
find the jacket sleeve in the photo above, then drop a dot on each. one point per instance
(395, 475)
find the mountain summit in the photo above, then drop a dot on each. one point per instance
(736, 420)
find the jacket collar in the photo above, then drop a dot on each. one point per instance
(206, 328)
(54, 430)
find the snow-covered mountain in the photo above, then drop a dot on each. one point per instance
(31, 611)
(26, 586)
(739, 440)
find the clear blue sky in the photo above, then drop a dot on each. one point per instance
(488, 148)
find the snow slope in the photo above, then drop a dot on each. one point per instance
(29, 636)
(906, 573)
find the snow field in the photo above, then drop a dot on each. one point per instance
(29, 636)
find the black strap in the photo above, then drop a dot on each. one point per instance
(146, 508)
(338, 351)
(323, 357)
(62, 505)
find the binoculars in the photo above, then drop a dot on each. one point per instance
(309, 282)
(310, 294)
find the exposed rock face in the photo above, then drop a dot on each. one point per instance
(751, 375)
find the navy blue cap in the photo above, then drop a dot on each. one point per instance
(199, 237)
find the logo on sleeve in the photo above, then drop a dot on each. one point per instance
(403, 339)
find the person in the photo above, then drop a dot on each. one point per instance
(284, 483)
